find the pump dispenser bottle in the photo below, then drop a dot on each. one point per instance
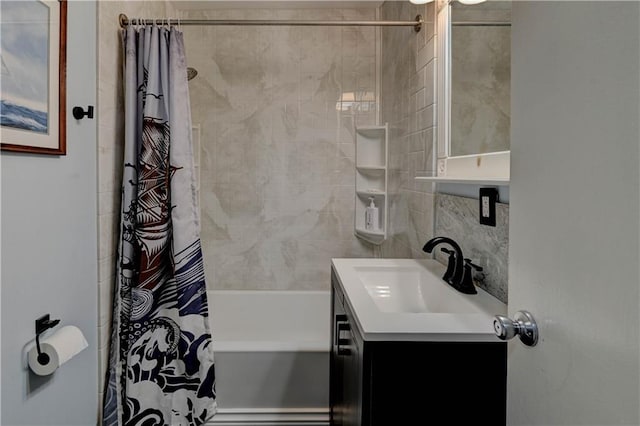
(371, 222)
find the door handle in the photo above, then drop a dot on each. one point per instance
(340, 318)
(343, 326)
(522, 325)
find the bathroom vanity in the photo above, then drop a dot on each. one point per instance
(407, 349)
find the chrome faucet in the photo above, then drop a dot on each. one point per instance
(458, 274)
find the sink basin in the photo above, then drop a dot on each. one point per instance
(411, 290)
(406, 299)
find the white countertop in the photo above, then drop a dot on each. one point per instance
(472, 323)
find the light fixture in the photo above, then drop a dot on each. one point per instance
(471, 1)
(420, 1)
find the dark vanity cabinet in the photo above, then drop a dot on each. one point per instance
(407, 383)
(346, 366)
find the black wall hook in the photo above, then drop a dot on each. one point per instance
(79, 113)
(43, 324)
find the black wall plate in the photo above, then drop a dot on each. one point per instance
(488, 198)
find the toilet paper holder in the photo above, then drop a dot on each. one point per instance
(43, 324)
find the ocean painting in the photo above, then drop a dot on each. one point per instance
(24, 54)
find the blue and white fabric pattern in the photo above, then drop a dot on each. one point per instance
(161, 368)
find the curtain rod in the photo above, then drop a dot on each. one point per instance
(416, 24)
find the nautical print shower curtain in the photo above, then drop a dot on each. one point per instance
(161, 368)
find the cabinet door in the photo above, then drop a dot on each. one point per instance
(351, 348)
(346, 365)
(336, 366)
(352, 379)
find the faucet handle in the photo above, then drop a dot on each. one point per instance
(472, 265)
(466, 285)
(451, 264)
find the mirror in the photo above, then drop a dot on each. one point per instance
(480, 77)
(474, 99)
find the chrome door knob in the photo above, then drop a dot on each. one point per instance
(505, 328)
(522, 325)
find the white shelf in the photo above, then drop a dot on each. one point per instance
(371, 180)
(366, 168)
(370, 233)
(368, 128)
(468, 181)
(371, 193)
(375, 237)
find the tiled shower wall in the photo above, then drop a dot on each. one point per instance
(277, 108)
(408, 104)
(110, 145)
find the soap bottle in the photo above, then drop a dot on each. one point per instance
(371, 216)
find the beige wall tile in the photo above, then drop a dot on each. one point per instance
(105, 298)
(277, 145)
(106, 269)
(408, 104)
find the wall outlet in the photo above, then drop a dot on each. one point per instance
(488, 198)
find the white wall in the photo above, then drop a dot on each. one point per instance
(574, 212)
(49, 252)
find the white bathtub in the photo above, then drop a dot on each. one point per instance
(272, 356)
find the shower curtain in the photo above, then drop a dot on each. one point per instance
(161, 368)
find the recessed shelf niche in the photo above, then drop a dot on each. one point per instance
(371, 180)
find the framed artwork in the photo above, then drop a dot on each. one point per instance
(33, 37)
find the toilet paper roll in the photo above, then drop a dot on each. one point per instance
(60, 346)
